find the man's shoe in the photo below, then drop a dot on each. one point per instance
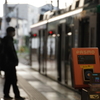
(7, 97)
(19, 98)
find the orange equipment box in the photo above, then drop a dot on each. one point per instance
(84, 62)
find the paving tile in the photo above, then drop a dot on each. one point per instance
(54, 96)
(22, 92)
(41, 87)
(75, 96)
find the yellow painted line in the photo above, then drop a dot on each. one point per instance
(86, 66)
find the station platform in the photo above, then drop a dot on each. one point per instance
(34, 86)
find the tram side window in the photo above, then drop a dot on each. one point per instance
(95, 1)
(40, 17)
(87, 1)
(91, 1)
(70, 7)
(77, 4)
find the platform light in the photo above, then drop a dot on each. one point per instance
(34, 35)
(50, 32)
(54, 35)
(58, 35)
(70, 33)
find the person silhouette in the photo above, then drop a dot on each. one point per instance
(10, 65)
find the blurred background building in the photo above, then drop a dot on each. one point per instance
(21, 16)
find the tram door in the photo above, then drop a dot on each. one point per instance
(84, 32)
(63, 54)
(59, 42)
(67, 55)
(42, 54)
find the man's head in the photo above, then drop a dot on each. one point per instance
(10, 31)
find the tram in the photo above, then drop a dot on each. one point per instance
(58, 32)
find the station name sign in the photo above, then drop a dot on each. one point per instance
(85, 52)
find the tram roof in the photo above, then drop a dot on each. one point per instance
(58, 17)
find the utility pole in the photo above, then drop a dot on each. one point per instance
(51, 5)
(4, 23)
(57, 4)
(5, 14)
(17, 26)
(5, 1)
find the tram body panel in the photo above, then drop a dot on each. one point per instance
(54, 51)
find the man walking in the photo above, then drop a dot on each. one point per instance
(11, 62)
